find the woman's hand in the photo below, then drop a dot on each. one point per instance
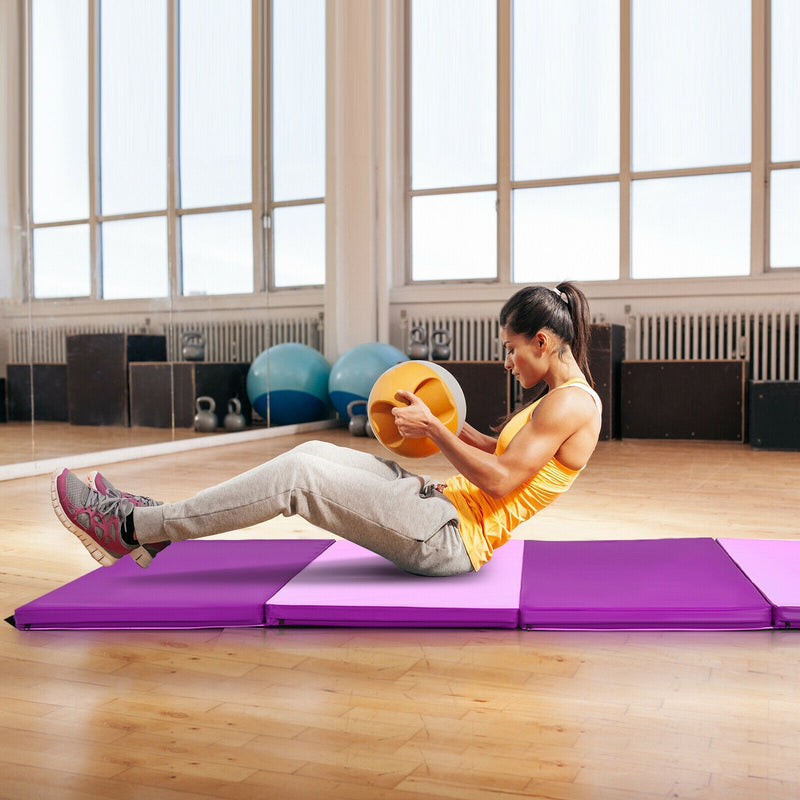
(415, 420)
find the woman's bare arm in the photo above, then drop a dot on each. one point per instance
(554, 422)
(477, 439)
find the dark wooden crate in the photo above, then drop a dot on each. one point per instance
(486, 388)
(97, 374)
(606, 354)
(774, 415)
(684, 399)
(152, 387)
(49, 392)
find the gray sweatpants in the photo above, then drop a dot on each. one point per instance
(371, 501)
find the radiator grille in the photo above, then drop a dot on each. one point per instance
(49, 345)
(475, 338)
(226, 340)
(243, 340)
(769, 341)
(472, 338)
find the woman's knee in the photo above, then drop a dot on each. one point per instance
(311, 447)
(303, 468)
(320, 449)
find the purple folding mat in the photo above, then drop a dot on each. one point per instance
(351, 587)
(654, 584)
(773, 565)
(195, 584)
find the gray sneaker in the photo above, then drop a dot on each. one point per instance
(96, 519)
(144, 553)
(103, 485)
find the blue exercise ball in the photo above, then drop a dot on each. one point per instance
(288, 384)
(354, 373)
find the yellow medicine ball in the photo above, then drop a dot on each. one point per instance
(434, 385)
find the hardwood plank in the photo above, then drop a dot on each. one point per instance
(407, 714)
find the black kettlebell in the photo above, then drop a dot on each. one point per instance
(194, 346)
(358, 422)
(234, 419)
(440, 351)
(205, 420)
(418, 349)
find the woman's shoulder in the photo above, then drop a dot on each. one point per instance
(582, 385)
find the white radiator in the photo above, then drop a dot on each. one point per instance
(243, 340)
(49, 345)
(475, 338)
(768, 340)
(226, 340)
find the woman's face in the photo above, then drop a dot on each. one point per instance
(524, 357)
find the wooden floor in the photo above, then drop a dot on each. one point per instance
(410, 714)
(23, 442)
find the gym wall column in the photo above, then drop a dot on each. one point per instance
(12, 213)
(352, 284)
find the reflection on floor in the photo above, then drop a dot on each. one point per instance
(23, 441)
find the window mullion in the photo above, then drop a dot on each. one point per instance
(265, 154)
(173, 229)
(407, 176)
(95, 233)
(256, 148)
(504, 57)
(625, 140)
(760, 121)
(26, 288)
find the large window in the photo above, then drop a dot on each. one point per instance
(565, 125)
(454, 139)
(690, 102)
(784, 175)
(298, 142)
(147, 141)
(600, 155)
(215, 123)
(59, 147)
(133, 150)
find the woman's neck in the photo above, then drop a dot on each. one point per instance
(563, 369)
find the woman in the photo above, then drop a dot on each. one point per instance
(423, 527)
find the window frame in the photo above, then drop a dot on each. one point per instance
(770, 166)
(760, 165)
(269, 203)
(261, 206)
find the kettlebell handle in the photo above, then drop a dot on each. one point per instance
(353, 403)
(418, 335)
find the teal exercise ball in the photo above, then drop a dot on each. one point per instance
(288, 384)
(354, 373)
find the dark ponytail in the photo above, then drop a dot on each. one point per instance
(582, 325)
(564, 311)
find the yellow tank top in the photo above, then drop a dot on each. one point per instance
(486, 522)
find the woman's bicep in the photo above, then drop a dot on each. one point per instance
(477, 439)
(525, 455)
(537, 442)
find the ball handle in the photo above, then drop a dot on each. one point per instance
(434, 386)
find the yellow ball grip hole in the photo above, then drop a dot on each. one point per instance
(435, 394)
(382, 419)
